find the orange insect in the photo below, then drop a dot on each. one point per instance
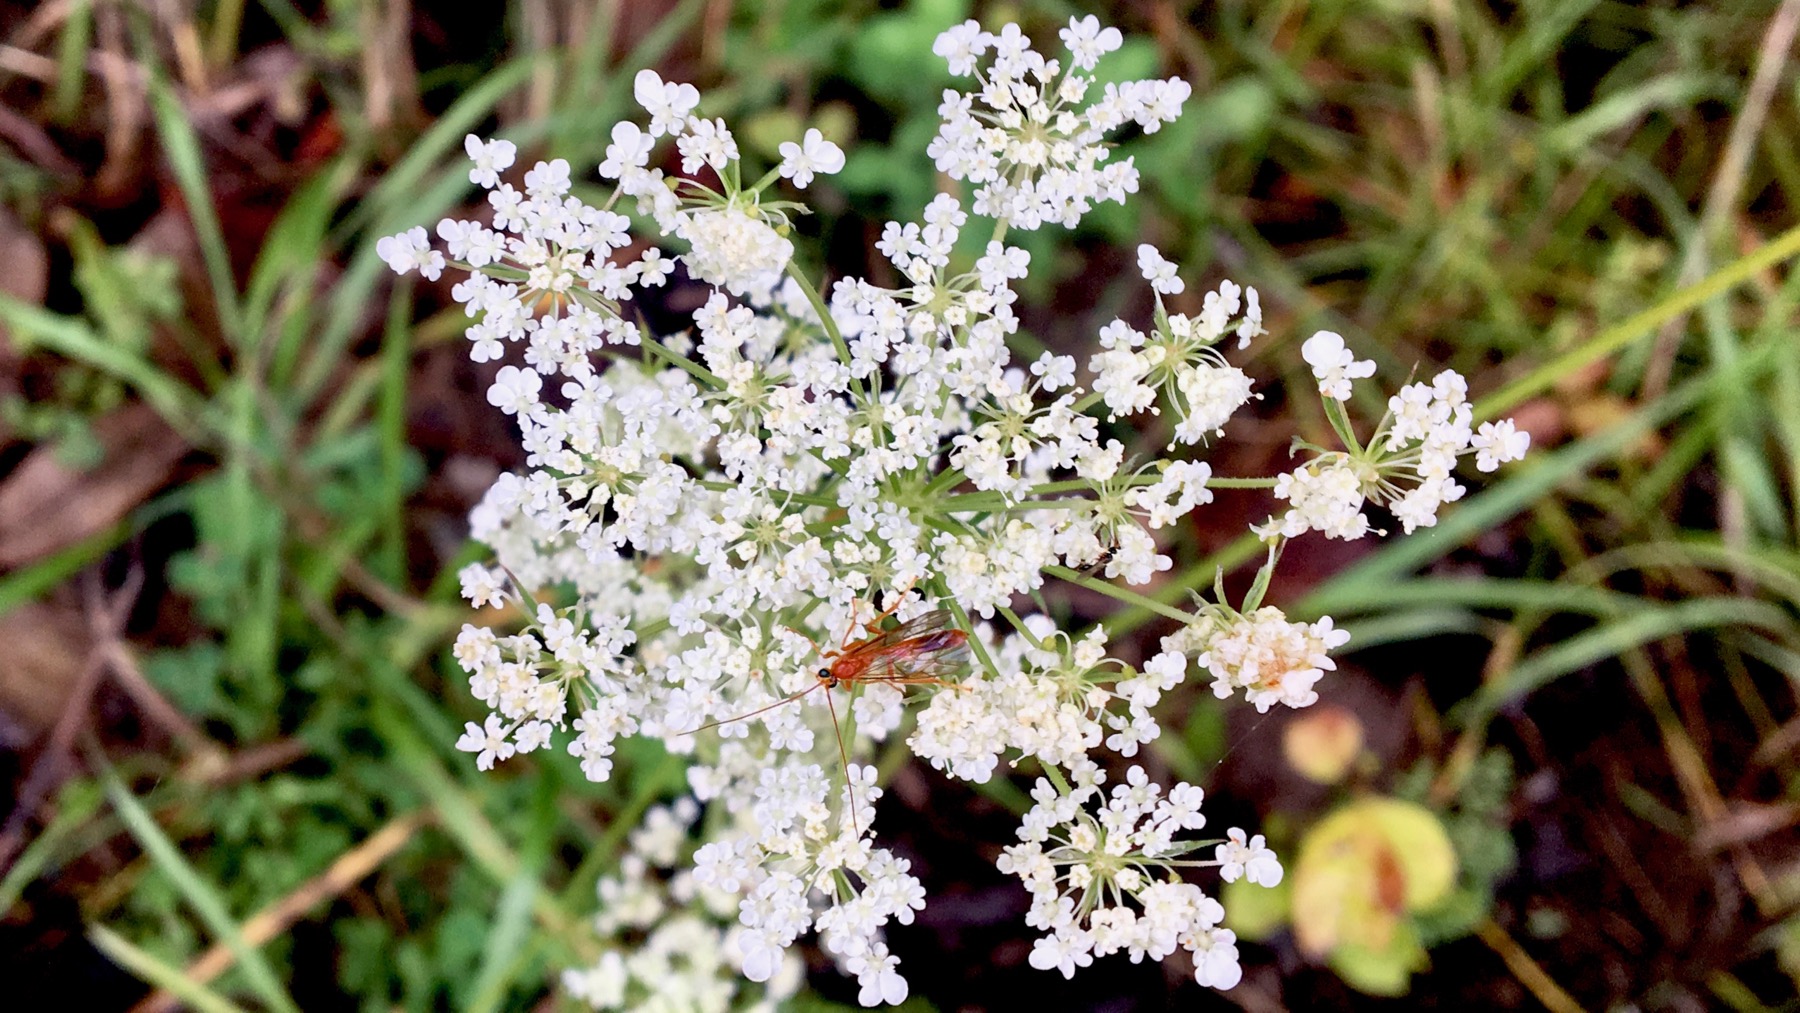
(918, 652)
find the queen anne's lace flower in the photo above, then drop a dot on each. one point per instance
(491, 158)
(706, 520)
(1334, 364)
(1035, 154)
(814, 154)
(1271, 659)
(1105, 881)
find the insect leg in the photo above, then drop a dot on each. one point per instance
(823, 653)
(917, 680)
(874, 625)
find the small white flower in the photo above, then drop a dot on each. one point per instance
(515, 390)
(1498, 442)
(1247, 859)
(1063, 952)
(961, 46)
(490, 157)
(533, 735)
(630, 149)
(1216, 959)
(488, 741)
(482, 586)
(814, 154)
(1158, 272)
(1054, 371)
(668, 103)
(1088, 42)
(1334, 365)
(548, 179)
(410, 251)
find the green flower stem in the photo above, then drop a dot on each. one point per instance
(1340, 424)
(962, 621)
(768, 177)
(1241, 483)
(1000, 506)
(1131, 597)
(1056, 778)
(697, 371)
(818, 305)
(1019, 624)
(946, 480)
(1229, 557)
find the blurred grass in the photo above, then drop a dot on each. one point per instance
(1440, 182)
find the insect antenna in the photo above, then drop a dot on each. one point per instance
(849, 784)
(759, 710)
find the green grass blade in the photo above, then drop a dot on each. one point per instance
(405, 196)
(70, 337)
(169, 978)
(199, 894)
(294, 248)
(1774, 567)
(461, 817)
(34, 581)
(1413, 624)
(396, 355)
(507, 943)
(182, 148)
(1629, 105)
(1616, 337)
(1476, 592)
(1611, 639)
(71, 60)
(1526, 55)
(76, 805)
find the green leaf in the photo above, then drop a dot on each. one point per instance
(72, 338)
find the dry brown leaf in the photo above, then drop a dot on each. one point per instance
(1601, 410)
(25, 277)
(45, 649)
(45, 505)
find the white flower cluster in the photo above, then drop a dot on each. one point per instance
(1049, 698)
(1035, 154)
(801, 865)
(1271, 659)
(671, 944)
(1178, 358)
(762, 541)
(1107, 881)
(1407, 464)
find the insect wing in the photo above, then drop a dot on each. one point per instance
(927, 648)
(935, 621)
